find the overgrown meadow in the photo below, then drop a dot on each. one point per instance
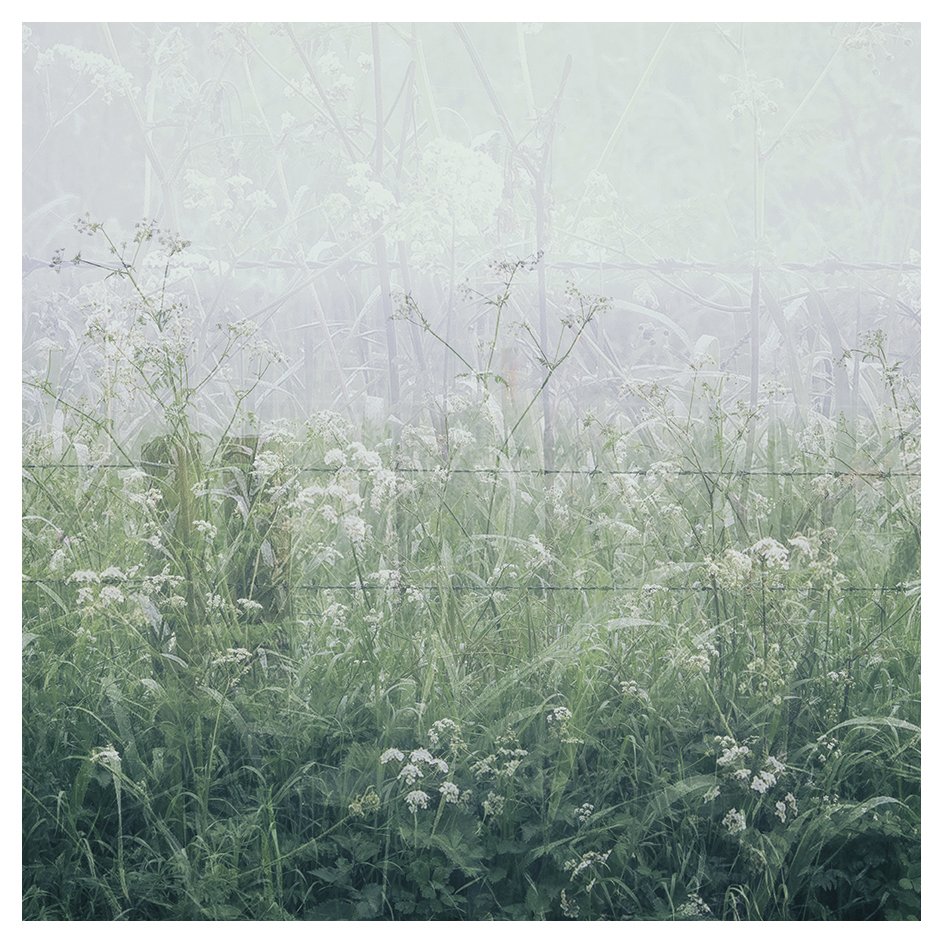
(432, 573)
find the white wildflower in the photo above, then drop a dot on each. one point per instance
(445, 729)
(83, 576)
(417, 799)
(569, 908)
(774, 765)
(762, 782)
(771, 552)
(732, 570)
(802, 544)
(735, 821)
(588, 860)
(695, 906)
(108, 757)
(355, 527)
(732, 753)
(205, 528)
(559, 715)
(449, 792)
(110, 596)
(267, 464)
(493, 805)
(410, 772)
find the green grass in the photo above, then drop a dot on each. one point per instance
(246, 780)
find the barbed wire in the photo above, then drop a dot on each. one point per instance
(589, 472)
(666, 265)
(356, 587)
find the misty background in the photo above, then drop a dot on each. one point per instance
(746, 196)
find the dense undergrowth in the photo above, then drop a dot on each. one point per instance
(727, 726)
(326, 671)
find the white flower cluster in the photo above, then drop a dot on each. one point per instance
(590, 859)
(449, 792)
(104, 73)
(108, 757)
(570, 908)
(410, 773)
(493, 805)
(228, 198)
(266, 464)
(735, 821)
(337, 83)
(763, 781)
(455, 193)
(329, 426)
(693, 907)
(233, 656)
(417, 799)
(448, 731)
(242, 328)
(787, 803)
(424, 756)
(205, 529)
(502, 763)
(732, 570)
(414, 767)
(560, 502)
(559, 716)
(706, 650)
(84, 576)
(108, 595)
(584, 812)
(828, 747)
(732, 753)
(772, 553)
(802, 544)
(374, 202)
(460, 438)
(390, 580)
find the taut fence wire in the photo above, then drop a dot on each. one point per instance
(588, 472)
(356, 587)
